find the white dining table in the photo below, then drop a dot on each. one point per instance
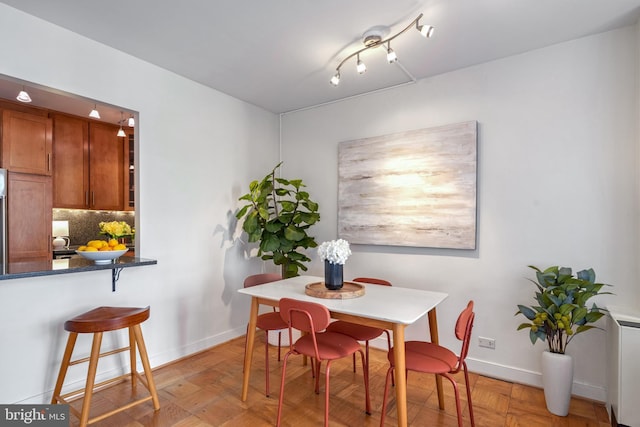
(387, 307)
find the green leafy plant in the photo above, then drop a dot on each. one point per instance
(278, 216)
(561, 312)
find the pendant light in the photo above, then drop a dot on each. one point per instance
(23, 96)
(94, 113)
(131, 122)
(121, 131)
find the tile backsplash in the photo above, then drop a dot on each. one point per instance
(83, 225)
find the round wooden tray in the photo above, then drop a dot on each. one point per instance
(348, 290)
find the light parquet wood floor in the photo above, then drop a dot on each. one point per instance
(204, 390)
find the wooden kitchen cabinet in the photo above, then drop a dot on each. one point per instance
(29, 217)
(106, 164)
(88, 165)
(70, 162)
(26, 142)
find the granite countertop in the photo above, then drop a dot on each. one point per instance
(17, 270)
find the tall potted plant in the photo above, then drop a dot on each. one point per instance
(278, 215)
(560, 314)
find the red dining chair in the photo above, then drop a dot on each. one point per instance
(431, 358)
(311, 319)
(361, 332)
(267, 321)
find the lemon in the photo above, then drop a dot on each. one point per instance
(113, 242)
(97, 244)
(119, 247)
(82, 248)
(91, 249)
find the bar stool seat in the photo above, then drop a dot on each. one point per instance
(97, 321)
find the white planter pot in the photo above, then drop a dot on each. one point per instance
(557, 380)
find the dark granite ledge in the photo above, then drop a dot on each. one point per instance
(19, 270)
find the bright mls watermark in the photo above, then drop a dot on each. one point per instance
(34, 415)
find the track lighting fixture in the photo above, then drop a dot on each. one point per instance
(94, 113)
(23, 96)
(373, 39)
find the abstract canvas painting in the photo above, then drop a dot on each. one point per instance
(414, 188)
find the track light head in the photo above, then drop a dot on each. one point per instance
(425, 30)
(360, 67)
(391, 54)
(335, 80)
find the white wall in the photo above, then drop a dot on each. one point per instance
(198, 151)
(557, 184)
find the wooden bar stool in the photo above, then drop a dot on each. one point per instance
(97, 321)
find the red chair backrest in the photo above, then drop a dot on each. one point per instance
(372, 280)
(259, 279)
(304, 315)
(464, 325)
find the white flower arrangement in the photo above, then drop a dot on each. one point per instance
(334, 251)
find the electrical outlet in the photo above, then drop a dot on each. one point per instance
(487, 342)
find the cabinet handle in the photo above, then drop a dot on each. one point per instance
(86, 198)
(93, 198)
(49, 162)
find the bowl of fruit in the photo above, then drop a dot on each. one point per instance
(102, 251)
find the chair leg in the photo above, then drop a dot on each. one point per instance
(132, 356)
(279, 343)
(146, 366)
(393, 378)
(266, 361)
(386, 393)
(365, 374)
(326, 393)
(281, 397)
(457, 395)
(466, 383)
(68, 351)
(317, 374)
(91, 377)
(354, 362)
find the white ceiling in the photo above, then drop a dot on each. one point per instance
(280, 54)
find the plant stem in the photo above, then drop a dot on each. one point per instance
(273, 192)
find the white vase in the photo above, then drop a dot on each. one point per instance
(557, 380)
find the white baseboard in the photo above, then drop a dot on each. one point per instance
(482, 367)
(522, 376)
(517, 375)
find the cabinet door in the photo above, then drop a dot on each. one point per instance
(106, 164)
(26, 143)
(70, 162)
(29, 217)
